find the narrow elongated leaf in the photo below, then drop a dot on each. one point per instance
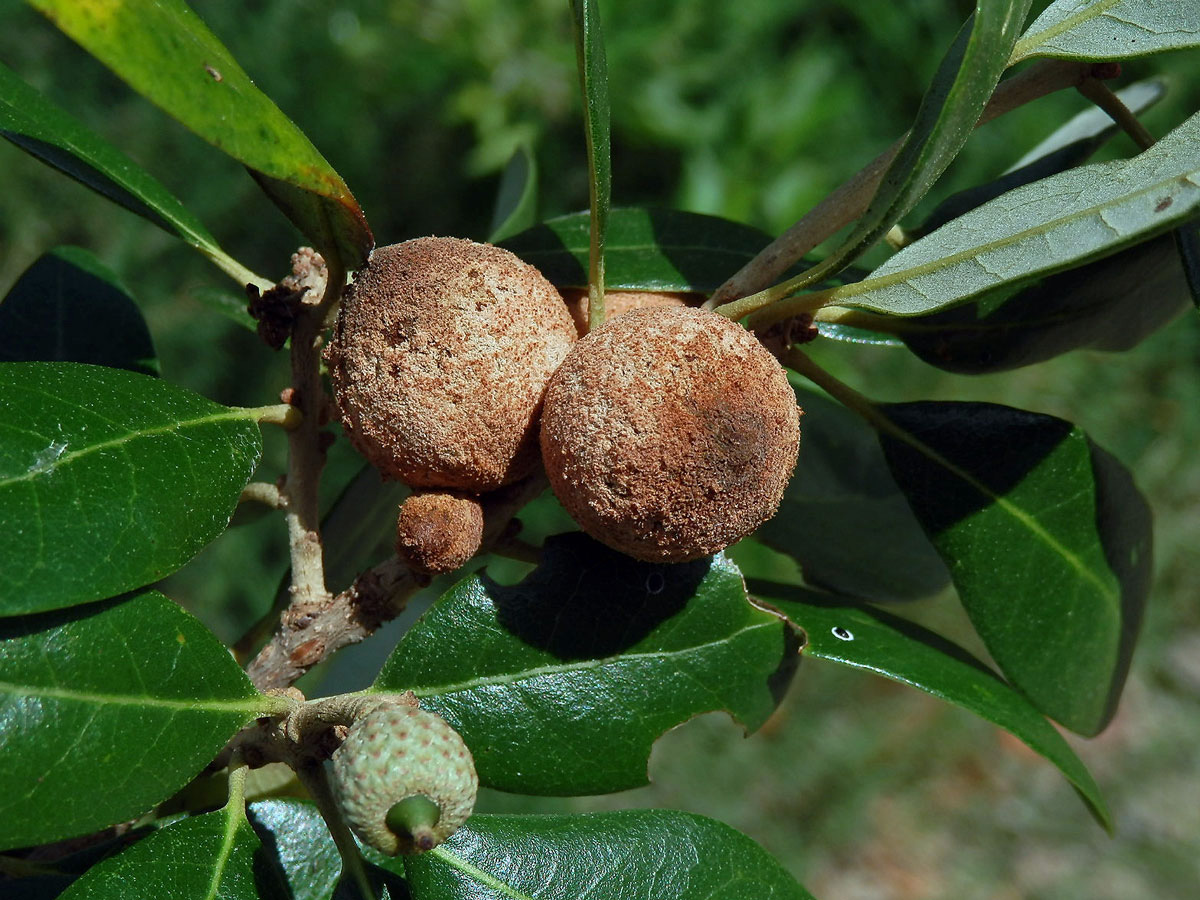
(561, 684)
(844, 520)
(516, 202)
(164, 52)
(1111, 304)
(109, 480)
(949, 111)
(69, 307)
(1046, 538)
(1069, 146)
(1110, 29)
(1038, 229)
(871, 639)
(646, 249)
(106, 710)
(627, 855)
(593, 81)
(215, 855)
(42, 129)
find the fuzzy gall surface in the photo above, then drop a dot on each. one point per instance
(670, 433)
(439, 531)
(396, 752)
(617, 302)
(440, 358)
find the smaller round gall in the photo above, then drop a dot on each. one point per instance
(439, 360)
(669, 433)
(439, 531)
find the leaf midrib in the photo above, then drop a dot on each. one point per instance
(250, 705)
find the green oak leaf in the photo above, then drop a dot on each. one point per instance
(108, 709)
(109, 480)
(1046, 538)
(1109, 29)
(561, 684)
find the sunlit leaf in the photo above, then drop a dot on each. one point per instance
(1110, 29)
(165, 52)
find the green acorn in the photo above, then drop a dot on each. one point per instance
(404, 779)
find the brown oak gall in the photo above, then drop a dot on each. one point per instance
(669, 433)
(439, 360)
(439, 531)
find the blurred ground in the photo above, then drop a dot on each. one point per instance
(750, 109)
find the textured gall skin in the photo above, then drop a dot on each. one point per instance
(439, 531)
(669, 433)
(440, 358)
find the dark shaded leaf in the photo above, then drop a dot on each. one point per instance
(1110, 29)
(164, 52)
(1187, 242)
(627, 855)
(871, 639)
(109, 480)
(69, 307)
(516, 202)
(108, 709)
(1046, 538)
(42, 129)
(842, 517)
(561, 684)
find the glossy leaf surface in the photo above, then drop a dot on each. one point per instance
(627, 855)
(69, 307)
(1111, 304)
(516, 202)
(1039, 229)
(870, 639)
(1046, 538)
(42, 129)
(1110, 29)
(109, 480)
(215, 855)
(165, 52)
(106, 710)
(842, 517)
(560, 684)
(646, 249)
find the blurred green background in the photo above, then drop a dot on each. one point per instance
(750, 109)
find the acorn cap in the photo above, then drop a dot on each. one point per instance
(391, 756)
(669, 434)
(439, 531)
(440, 358)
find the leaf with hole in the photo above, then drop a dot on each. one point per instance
(561, 684)
(875, 641)
(165, 52)
(109, 480)
(69, 307)
(1110, 29)
(134, 688)
(1046, 537)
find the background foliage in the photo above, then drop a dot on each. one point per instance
(753, 110)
